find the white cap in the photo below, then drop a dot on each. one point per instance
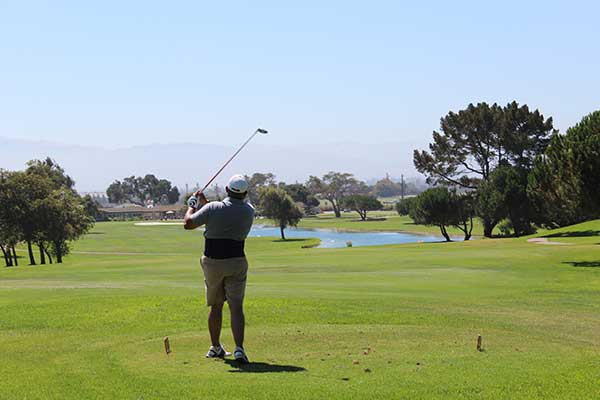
(237, 184)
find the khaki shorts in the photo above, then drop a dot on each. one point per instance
(224, 279)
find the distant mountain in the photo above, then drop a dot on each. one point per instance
(94, 168)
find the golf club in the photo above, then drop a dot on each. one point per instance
(193, 200)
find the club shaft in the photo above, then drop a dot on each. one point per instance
(228, 161)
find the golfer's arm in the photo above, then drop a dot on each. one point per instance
(188, 221)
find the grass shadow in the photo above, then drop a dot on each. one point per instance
(584, 264)
(261, 367)
(574, 234)
(374, 219)
(291, 240)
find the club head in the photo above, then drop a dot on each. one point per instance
(263, 131)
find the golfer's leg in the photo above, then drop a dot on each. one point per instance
(215, 321)
(237, 322)
(215, 297)
(235, 289)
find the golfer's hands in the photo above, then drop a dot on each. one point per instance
(202, 200)
(197, 200)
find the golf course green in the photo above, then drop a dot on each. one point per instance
(381, 322)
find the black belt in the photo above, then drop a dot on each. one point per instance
(223, 248)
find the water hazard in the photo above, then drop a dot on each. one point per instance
(331, 238)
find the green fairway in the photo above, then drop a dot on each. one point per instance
(397, 321)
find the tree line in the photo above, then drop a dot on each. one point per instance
(386, 187)
(39, 207)
(509, 167)
(505, 165)
(286, 204)
(138, 190)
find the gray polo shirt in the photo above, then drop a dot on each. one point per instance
(227, 219)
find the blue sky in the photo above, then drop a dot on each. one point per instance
(123, 73)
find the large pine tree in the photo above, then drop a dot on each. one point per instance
(476, 140)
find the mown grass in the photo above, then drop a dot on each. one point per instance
(394, 321)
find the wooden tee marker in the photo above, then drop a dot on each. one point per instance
(167, 345)
(479, 343)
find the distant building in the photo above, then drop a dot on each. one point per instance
(134, 211)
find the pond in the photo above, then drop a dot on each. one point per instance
(331, 238)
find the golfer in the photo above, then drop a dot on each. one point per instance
(224, 263)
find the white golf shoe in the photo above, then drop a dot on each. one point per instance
(217, 352)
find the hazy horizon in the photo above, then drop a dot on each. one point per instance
(94, 168)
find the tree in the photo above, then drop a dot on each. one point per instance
(504, 195)
(257, 181)
(151, 188)
(463, 206)
(434, 207)
(91, 207)
(57, 179)
(64, 219)
(523, 135)
(276, 204)
(173, 195)
(490, 207)
(563, 185)
(362, 203)
(297, 191)
(9, 230)
(138, 190)
(300, 194)
(8, 241)
(474, 141)
(4, 246)
(131, 189)
(39, 206)
(387, 188)
(404, 206)
(115, 192)
(50, 169)
(24, 190)
(443, 207)
(334, 186)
